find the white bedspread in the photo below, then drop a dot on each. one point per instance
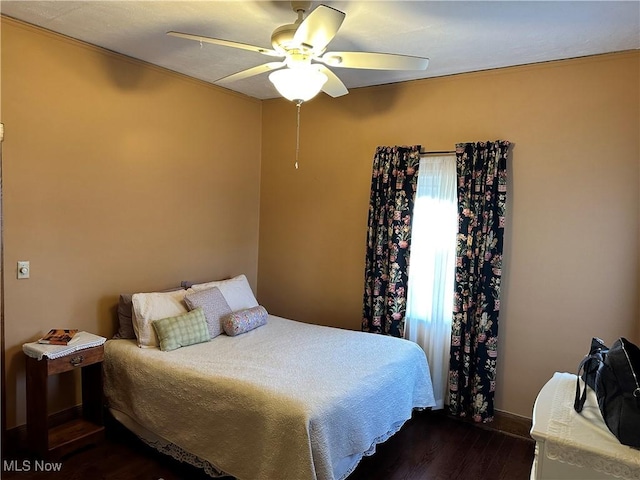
(287, 401)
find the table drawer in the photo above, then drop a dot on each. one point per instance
(81, 358)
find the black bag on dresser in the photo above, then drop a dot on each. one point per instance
(592, 362)
(618, 391)
(617, 387)
(589, 367)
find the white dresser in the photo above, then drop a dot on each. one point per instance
(571, 445)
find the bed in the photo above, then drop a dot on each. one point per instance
(286, 400)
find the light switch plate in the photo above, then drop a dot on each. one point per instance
(23, 269)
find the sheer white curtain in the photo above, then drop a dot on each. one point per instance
(432, 267)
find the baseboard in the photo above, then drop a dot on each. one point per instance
(17, 444)
(511, 423)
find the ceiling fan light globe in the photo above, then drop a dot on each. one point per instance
(298, 84)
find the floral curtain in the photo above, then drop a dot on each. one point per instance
(393, 188)
(482, 194)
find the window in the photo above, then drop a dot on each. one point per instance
(432, 267)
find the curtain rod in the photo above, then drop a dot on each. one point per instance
(440, 152)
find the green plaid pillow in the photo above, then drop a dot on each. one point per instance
(182, 330)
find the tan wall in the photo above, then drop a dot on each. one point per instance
(118, 176)
(572, 235)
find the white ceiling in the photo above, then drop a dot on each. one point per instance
(457, 36)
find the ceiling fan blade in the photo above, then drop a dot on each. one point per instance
(374, 61)
(319, 28)
(250, 72)
(334, 86)
(226, 43)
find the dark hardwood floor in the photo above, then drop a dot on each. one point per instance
(430, 446)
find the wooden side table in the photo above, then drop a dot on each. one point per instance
(56, 441)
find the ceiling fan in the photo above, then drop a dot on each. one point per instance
(303, 72)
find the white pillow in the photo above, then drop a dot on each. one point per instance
(147, 307)
(236, 291)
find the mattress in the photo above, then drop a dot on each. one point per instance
(571, 445)
(287, 400)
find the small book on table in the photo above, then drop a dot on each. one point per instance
(58, 336)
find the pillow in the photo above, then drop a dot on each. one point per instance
(244, 320)
(236, 292)
(125, 325)
(148, 307)
(182, 330)
(214, 306)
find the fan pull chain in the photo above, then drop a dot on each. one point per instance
(298, 134)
